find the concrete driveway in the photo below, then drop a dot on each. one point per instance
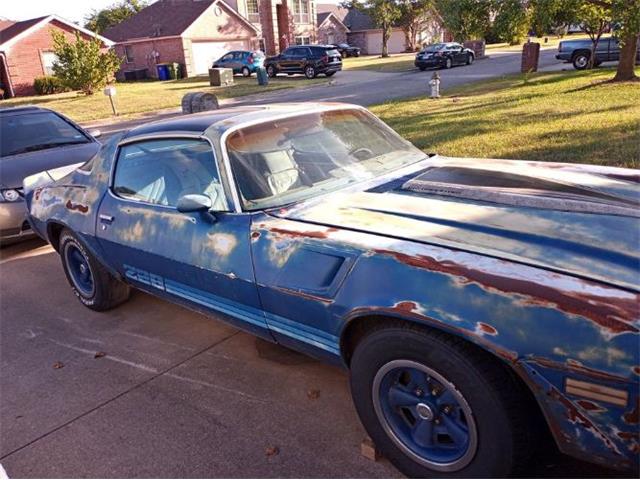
(153, 390)
(365, 87)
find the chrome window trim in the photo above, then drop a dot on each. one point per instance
(161, 136)
(223, 139)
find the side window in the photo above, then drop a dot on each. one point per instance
(227, 57)
(161, 171)
(289, 51)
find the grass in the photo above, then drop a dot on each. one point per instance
(569, 116)
(393, 63)
(552, 41)
(145, 96)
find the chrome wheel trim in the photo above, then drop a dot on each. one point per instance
(453, 466)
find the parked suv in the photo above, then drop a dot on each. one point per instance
(241, 61)
(443, 55)
(578, 52)
(308, 59)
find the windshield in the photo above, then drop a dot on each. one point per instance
(289, 160)
(434, 48)
(30, 132)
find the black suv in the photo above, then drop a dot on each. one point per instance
(308, 59)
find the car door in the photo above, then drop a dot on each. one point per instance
(200, 258)
(224, 61)
(614, 49)
(459, 56)
(300, 58)
(286, 61)
(236, 62)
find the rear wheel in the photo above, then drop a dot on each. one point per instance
(271, 71)
(246, 72)
(94, 286)
(581, 61)
(435, 406)
(310, 72)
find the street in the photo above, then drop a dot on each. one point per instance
(151, 389)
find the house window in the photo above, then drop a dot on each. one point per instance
(48, 59)
(128, 53)
(306, 40)
(301, 11)
(262, 46)
(252, 11)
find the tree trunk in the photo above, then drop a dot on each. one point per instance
(626, 65)
(385, 38)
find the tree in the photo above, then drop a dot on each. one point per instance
(415, 15)
(465, 19)
(626, 16)
(100, 20)
(82, 65)
(595, 18)
(383, 13)
(512, 20)
(551, 15)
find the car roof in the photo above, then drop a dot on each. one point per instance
(23, 109)
(218, 121)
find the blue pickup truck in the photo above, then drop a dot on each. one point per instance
(578, 52)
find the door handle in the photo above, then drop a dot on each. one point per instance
(106, 218)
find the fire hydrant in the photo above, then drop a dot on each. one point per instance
(434, 83)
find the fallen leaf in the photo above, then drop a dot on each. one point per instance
(313, 394)
(271, 451)
(99, 355)
(58, 365)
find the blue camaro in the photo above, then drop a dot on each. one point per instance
(478, 304)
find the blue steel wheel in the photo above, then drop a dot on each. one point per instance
(425, 415)
(79, 269)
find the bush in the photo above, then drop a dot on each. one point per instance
(48, 85)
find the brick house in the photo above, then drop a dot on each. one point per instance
(26, 51)
(194, 33)
(360, 30)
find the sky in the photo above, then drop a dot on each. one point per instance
(72, 10)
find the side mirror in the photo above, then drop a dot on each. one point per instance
(95, 133)
(194, 203)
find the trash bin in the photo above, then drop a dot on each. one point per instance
(530, 57)
(263, 78)
(174, 70)
(163, 71)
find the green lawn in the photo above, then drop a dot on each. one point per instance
(552, 41)
(393, 63)
(146, 96)
(571, 116)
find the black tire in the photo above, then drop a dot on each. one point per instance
(470, 59)
(271, 71)
(330, 74)
(580, 60)
(422, 68)
(310, 72)
(357, 54)
(107, 292)
(246, 72)
(502, 426)
(448, 63)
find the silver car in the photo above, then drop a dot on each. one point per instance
(34, 139)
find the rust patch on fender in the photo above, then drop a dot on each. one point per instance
(591, 406)
(631, 417)
(77, 207)
(602, 311)
(636, 370)
(303, 234)
(407, 307)
(486, 329)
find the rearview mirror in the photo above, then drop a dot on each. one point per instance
(194, 203)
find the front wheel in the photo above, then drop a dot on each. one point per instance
(246, 72)
(469, 59)
(94, 286)
(434, 406)
(309, 72)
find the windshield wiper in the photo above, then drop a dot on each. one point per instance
(44, 146)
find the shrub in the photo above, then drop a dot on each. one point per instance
(48, 85)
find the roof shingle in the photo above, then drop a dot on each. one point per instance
(16, 28)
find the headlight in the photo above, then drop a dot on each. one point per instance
(9, 195)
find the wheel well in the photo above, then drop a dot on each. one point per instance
(578, 52)
(53, 233)
(358, 328)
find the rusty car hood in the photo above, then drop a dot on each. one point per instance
(577, 219)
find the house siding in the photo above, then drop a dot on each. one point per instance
(147, 54)
(24, 58)
(331, 28)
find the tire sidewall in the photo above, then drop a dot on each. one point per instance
(246, 72)
(309, 72)
(448, 63)
(68, 240)
(575, 61)
(492, 457)
(271, 71)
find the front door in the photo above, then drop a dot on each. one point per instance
(195, 258)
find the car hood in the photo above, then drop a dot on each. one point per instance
(577, 219)
(14, 168)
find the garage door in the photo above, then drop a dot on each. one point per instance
(204, 53)
(395, 44)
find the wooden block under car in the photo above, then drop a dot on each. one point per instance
(369, 450)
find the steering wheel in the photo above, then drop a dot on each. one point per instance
(358, 150)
